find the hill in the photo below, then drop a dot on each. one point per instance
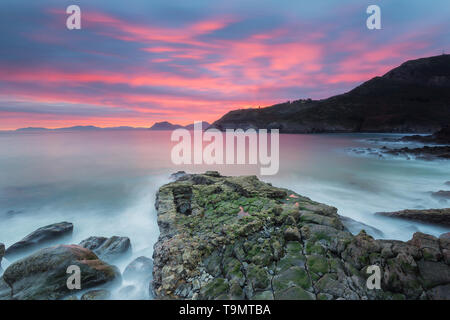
(414, 97)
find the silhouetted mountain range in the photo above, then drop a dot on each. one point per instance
(76, 128)
(157, 126)
(414, 97)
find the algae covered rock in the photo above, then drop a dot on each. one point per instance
(240, 238)
(43, 275)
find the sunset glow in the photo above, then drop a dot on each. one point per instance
(140, 65)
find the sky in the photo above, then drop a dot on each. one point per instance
(136, 62)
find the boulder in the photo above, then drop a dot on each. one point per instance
(96, 295)
(43, 274)
(39, 238)
(108, 249)
(93, 243)
(139, 269)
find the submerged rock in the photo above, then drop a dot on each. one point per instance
(355, 227)
(287, 247)
(43, 275)
(2, 253)
(439, 137)
(40, 237)
(435, 216)
(96, 295)
(108, 249)
(139, 269)
(441, 194)
(5, 290)
(425, 153)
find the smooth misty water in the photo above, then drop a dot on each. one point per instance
(105, 182)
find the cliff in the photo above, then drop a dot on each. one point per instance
(414, 97)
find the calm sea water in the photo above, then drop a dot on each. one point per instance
(105, 182)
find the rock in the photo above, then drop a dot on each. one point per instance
(439, 137)
(428, 245)
(287, 247)
(433, 273)
(131, 292)
(139, 269)
(292, 234)
(108, 249)
(445, 236)
(2, 253)
(440, 292)
(43, 274)
(177, 175)
(424, 153)
(441, 194)
(40, 237)
(93, 243)
(435, 216)
(5, 290)
(355, 227)
(96, 295)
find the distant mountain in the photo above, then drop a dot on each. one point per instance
(76, 128)
(169, 126)
(414, 97)
(205, 126)
(157, 126)
(31, 129)
(79, 128)
(165, 126)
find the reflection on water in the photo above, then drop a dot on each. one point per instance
(105, 182)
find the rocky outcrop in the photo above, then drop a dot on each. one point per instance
(108, 249)
(413, 97)
(423, 153)
(285, 247)
(435, 216)
(40, 237)
(43, 274)
(440, 137)
(139, 269)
